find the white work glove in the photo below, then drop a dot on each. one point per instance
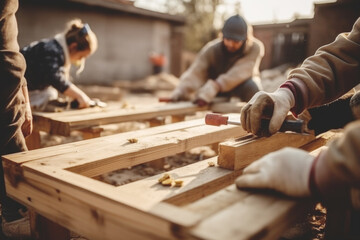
(286, 171)
(265, 105)
(177, 95)
(207, 92)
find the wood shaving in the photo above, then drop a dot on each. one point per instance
(178, 183)
(211, 164)
(132, 140)
(167, 182)
(166, 176)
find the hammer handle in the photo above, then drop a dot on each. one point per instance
(288, 125)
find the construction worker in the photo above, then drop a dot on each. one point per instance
(158, 61)
(49, 61)
(227, 66)
(333, 176)
(15, 114)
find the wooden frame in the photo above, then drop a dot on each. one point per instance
(56, 182)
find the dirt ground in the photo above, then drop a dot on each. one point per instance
(142, 92)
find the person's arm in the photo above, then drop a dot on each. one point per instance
(244, 68)
(327, 75)
(330, 73)
(194, 77)
(337, 170)
(329, 177)
(76, 93)
(27, 126)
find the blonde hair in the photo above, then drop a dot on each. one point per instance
(85, 41)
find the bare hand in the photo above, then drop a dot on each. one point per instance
(27, 126)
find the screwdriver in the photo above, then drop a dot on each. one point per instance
(288, 125)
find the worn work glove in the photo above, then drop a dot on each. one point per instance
(207, 92)
(262, 105)
(286, 171)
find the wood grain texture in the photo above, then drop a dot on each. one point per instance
(234, 214)
(105, 154)
(62, 123)
(237, 154)
(55, 183)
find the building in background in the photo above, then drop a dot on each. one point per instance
(294, 41)
(126, 35)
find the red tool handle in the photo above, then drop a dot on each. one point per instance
(164, 99)
(216, 119)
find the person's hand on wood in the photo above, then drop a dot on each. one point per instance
(207, 93)
(286, 171)
(84, 101)
(262, 105)
(76, 93)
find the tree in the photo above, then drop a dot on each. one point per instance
(200, 15)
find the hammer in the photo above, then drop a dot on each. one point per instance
(288, 125)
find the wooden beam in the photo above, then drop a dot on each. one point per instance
(91, 208)
(62, 123)
(101, 155)
(234, 214)
(238, 214)
(199, 180)
(237, 154)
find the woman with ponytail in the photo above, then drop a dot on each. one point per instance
(49, 61)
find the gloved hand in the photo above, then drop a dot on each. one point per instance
(207, 92)
(274, 105)
(286, 171)
(177, 95)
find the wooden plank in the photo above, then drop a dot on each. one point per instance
(102, 157)
(199, 180)
(80, 145)
(237, 154)
(237, 214)
(234, 214)
(64, 122)
(91, 208)
(70, 199)
(322, 140)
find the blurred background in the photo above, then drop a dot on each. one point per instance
(130, 31)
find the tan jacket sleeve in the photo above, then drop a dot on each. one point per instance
(338, 168)
(332, 71)
(244, 68)
(197, 74)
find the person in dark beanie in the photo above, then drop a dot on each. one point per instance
(15, 114)
(227, 66)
